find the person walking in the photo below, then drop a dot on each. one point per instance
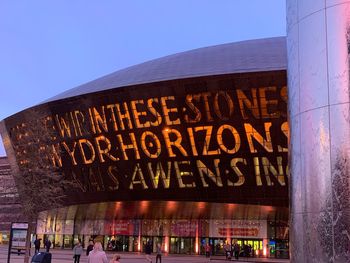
(159, 253)
(37, 244)
(90, 247)
(97, 255)
(236, 249)
(148, 251)
(207, 250)
(77, 251)
(47, 245)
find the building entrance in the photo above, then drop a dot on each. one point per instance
(249, 247)
(182, 245)
(217, 246)
(117, 243)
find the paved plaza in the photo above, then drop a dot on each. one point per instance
(65, 256)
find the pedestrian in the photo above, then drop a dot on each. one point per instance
(148, 251)
(227, 248)
(115, 259)
(37, 244)
(207, 250)
(47, 245)
(236, 249)
(90, 247)
(159, 253)
(97, 255)
(77, 251)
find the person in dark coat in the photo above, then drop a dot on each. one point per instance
(236, 249)
(90, 247)
(148, 251)
(37, 244)
(47, 245)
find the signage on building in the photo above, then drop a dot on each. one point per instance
(216, 138)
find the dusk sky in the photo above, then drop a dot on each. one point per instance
(48, 47)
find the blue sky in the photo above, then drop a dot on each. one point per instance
(48, 47)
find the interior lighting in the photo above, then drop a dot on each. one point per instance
(166, 244)
(139, 244)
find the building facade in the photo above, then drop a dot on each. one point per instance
(186, 150)
(10, 207)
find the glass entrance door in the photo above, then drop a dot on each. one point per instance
(249, 247)
(217, 245)
(182, 245)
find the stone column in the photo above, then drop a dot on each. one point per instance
(318, 44)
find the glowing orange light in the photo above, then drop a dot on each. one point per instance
(139, 244)
(171, 206)
(257, 253)
(264, 252)
(166, 244)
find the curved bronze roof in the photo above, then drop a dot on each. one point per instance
(246, 56)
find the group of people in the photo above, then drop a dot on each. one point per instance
(230, 250)
(94, 251)
(37, 245)
(148, 252)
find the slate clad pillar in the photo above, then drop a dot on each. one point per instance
(318, 44)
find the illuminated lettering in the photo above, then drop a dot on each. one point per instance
(70, 152)
(63, 126)
(229, 103)
(99, 118)
(141, 179)
(159, 173)
(137, 114)
(176, 143)
(192, 141)
(95, 180)
(237, 139)
(205, 96)
(154, 112)
(264, 142)
(89, 146)
(180, 174)
(215, 177)
(79, 119)
(124, 116)
(237, 171)
(285, 130)
(269, 168)
(74, 126)
(56, 159)
(155, 144)
(167, 110)
(112, 108)
(244, 102)
(112, 173)
(284, 94)
(264, 103)
(208, 132)
(257, 171)
(92, 122)
(195, 110)
(133, 145)
(104, 151)
(78, 182)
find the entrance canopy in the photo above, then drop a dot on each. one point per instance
(167, 210)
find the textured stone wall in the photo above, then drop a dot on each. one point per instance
(10, 208)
